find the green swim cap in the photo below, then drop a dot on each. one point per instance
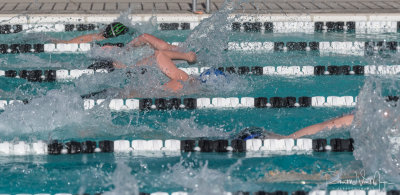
(115, 29)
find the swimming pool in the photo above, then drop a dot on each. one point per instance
(55, 111)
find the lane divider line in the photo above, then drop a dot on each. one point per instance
(266, 146)
(147, 104)
(242, 26)
(317, 26)
(332, 70)
(350, 48)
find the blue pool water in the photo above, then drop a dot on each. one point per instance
(57, 113)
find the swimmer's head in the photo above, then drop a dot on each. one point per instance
(211, 74)
(115, 29)
(250, 133)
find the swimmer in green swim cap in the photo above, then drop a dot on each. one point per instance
(116, 29)
(112, 30)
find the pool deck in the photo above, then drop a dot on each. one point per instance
(184, 6)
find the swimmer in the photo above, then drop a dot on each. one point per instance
(255, 132)
(164, 61)
(163, 56)
(112, 30)
(340, 122)
(116, 29)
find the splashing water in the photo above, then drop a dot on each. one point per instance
(376, 130)
(201, 180)
(190, 128)
(210, 51)
(124, 183)
(58, 113)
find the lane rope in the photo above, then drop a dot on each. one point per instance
(349, 48)
(61, 75)
(242, 26)
(171, 146)
(146, 104)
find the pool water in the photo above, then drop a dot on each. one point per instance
(60, 117)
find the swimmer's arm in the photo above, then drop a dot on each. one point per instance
(173, 86)
(83, 39)
(154, 42)
(138, 41)
(343, 121)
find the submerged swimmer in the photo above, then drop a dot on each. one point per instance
(260, 133)
(340, 122)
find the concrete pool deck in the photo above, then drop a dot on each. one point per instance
(184, 6)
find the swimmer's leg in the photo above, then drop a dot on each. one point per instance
(343, 121)
(153, 41)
